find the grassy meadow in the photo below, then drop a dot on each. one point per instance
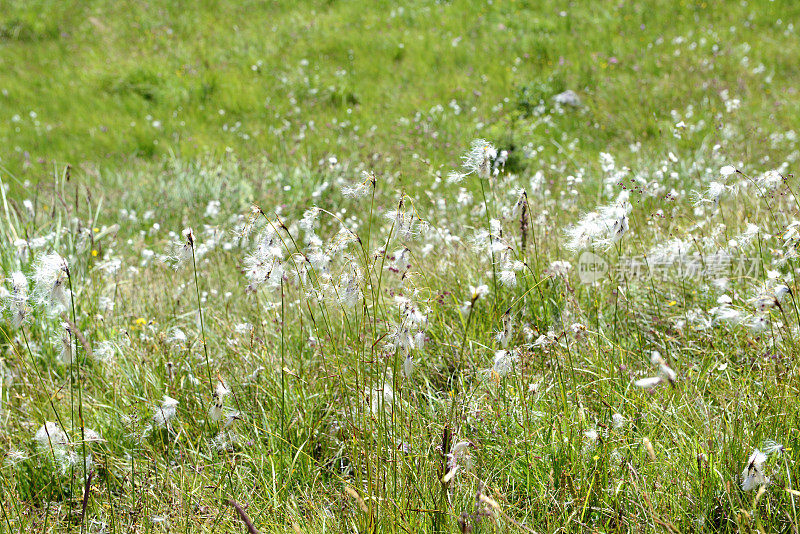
(497, 266)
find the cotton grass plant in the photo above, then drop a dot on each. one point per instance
(373, 323)
(329, 368)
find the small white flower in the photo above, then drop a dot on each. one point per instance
(361, 189)
(504, 362)
(479, 158)
(65, 340)
(165, 413)
(16, 301)
(568, 98)
(50, 278)
(665, 373)
(212, 209)
(380, 398)
(231, 415)
(478, 292)
(617, 420)
(457, 459)
(602, 227)
(591, 435)
(648, 382)
(753, 475)
(771, 446)
(216, 411)
(408, 365)
(50, 434)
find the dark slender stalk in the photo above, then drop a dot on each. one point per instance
(283, 365)
(74, 337)
(200, 312)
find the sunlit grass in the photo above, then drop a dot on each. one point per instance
(356, 339)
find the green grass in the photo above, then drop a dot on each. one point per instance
(319, 444)
(98, 75)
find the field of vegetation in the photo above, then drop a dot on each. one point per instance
(431, 266)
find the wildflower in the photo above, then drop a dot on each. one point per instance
(780, 291)
(771, 446)
(479, 158)
(455, 177)
(243, 328)
(568, 98)
(231, 416)
(405, 223)
(91, 436)
(771, 299)
(490, 241)
(603, 227)
(648, 382)
(711, 195)
(216, 410)
(408, 365)
(360, 189)
(753, 474)
(758, 323)
(264, 265)
(504, 336)
(65, 339)
(110, 267)
(508, 274)
(478, 292)
(504, 362)
(212, 209)
(559, 268)
(348, 287)
(51, 438)
(791, 236)
(380, 398)
(727, 170)
(665, 373)
(725, 314)
(245, 226)
(410, 333)
(308, 223)
(255, 374)
(591, 436)
(50, 278)
(50, 435)
(617, 420)
(17, 299)
(457, 459)
(225, 440)
(747, 236)
(769, 181)
(182, 250)
(165, 413)
(177, 336)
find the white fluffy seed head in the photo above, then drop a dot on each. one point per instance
(50, 278)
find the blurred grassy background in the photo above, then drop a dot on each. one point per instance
(103, 83)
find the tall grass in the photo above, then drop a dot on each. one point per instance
(353, 338)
